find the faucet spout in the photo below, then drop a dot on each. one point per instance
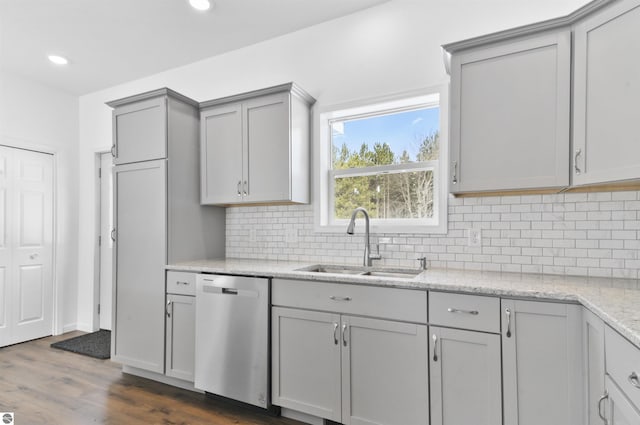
(368, 257)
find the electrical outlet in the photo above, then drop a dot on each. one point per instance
(474, 237)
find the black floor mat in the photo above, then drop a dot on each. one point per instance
(96, 344)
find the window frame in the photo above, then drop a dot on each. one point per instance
(324, 173)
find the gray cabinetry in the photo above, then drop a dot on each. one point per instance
(465, 375)
(510, 114)
(140, 131)
(347, 368)
(620, 411)
(180, 325)
(180, 336)
(140, 255)
(255, 147)
(542, 367)
(606, 94)
(593, 368)
(158, 217)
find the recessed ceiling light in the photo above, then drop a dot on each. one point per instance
(58, 60)
(200, 4)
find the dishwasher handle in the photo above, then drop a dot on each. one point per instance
(220, 290)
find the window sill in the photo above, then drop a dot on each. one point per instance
(386, 229)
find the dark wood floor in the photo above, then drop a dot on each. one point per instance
(43, 385)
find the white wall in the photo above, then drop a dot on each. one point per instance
(37, 117)
(384, 50)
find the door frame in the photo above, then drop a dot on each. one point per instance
(57, 325)
(95, 316)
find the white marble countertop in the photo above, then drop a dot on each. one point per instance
(616, 301)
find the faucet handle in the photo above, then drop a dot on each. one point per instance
(423, 262)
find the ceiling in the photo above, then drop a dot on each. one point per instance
(109, 42)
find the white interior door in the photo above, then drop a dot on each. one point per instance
(26, 245)
(106, 243)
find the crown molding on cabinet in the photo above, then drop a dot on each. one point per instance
(150, 95)
(291, 87)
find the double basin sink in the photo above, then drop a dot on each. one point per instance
(363, 271)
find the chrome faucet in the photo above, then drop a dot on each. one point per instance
(368, 256)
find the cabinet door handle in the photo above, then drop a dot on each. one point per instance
(238, 188)
(603, 398)
(166, 309)
(457, 310)
(344, 335)
(455, 172)
(245, 188)
(113, 150)
(335, 333)
(435, 349)
(507, 311)
(633, 380)
(575, 161)
(113, 235)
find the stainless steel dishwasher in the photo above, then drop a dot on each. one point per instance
(232, 337)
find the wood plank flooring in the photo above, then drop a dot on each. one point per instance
(43, 385)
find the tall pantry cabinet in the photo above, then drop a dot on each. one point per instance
(158, 218)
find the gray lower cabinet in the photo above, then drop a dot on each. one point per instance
(606, 93)
(465, 376)
(180, 336)
(350, 369)
(140, 253)
(620, 411)
(593, 368)
(542, 367)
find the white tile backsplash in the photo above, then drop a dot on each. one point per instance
(585, 234)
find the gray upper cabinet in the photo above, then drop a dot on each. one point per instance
(510, 114)
(541, 360)
(606, 141)
(158, 217)
(140, 131)
(255, 147)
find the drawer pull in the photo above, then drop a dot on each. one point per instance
(335, 333)
(181, 283)
(603, 398)
(334, 298)
(457, 310)
(633, 380)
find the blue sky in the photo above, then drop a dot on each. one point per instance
(403, 130)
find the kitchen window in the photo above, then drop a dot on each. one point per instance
(387, 157)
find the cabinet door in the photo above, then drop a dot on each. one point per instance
(140, 131)
(385, 376)
(466, 378)
(510, 115)
(180, 336)
(606, 93)
(221, 155)
(620, 410)
(140, 257)
(593, 370)
(306, 361)
(542, 366)
(267, 175)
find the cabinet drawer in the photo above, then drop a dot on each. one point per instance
(181, 283)
(623, 364)
(471, 312)
(389, 303)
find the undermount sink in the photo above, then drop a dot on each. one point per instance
(362, 271)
